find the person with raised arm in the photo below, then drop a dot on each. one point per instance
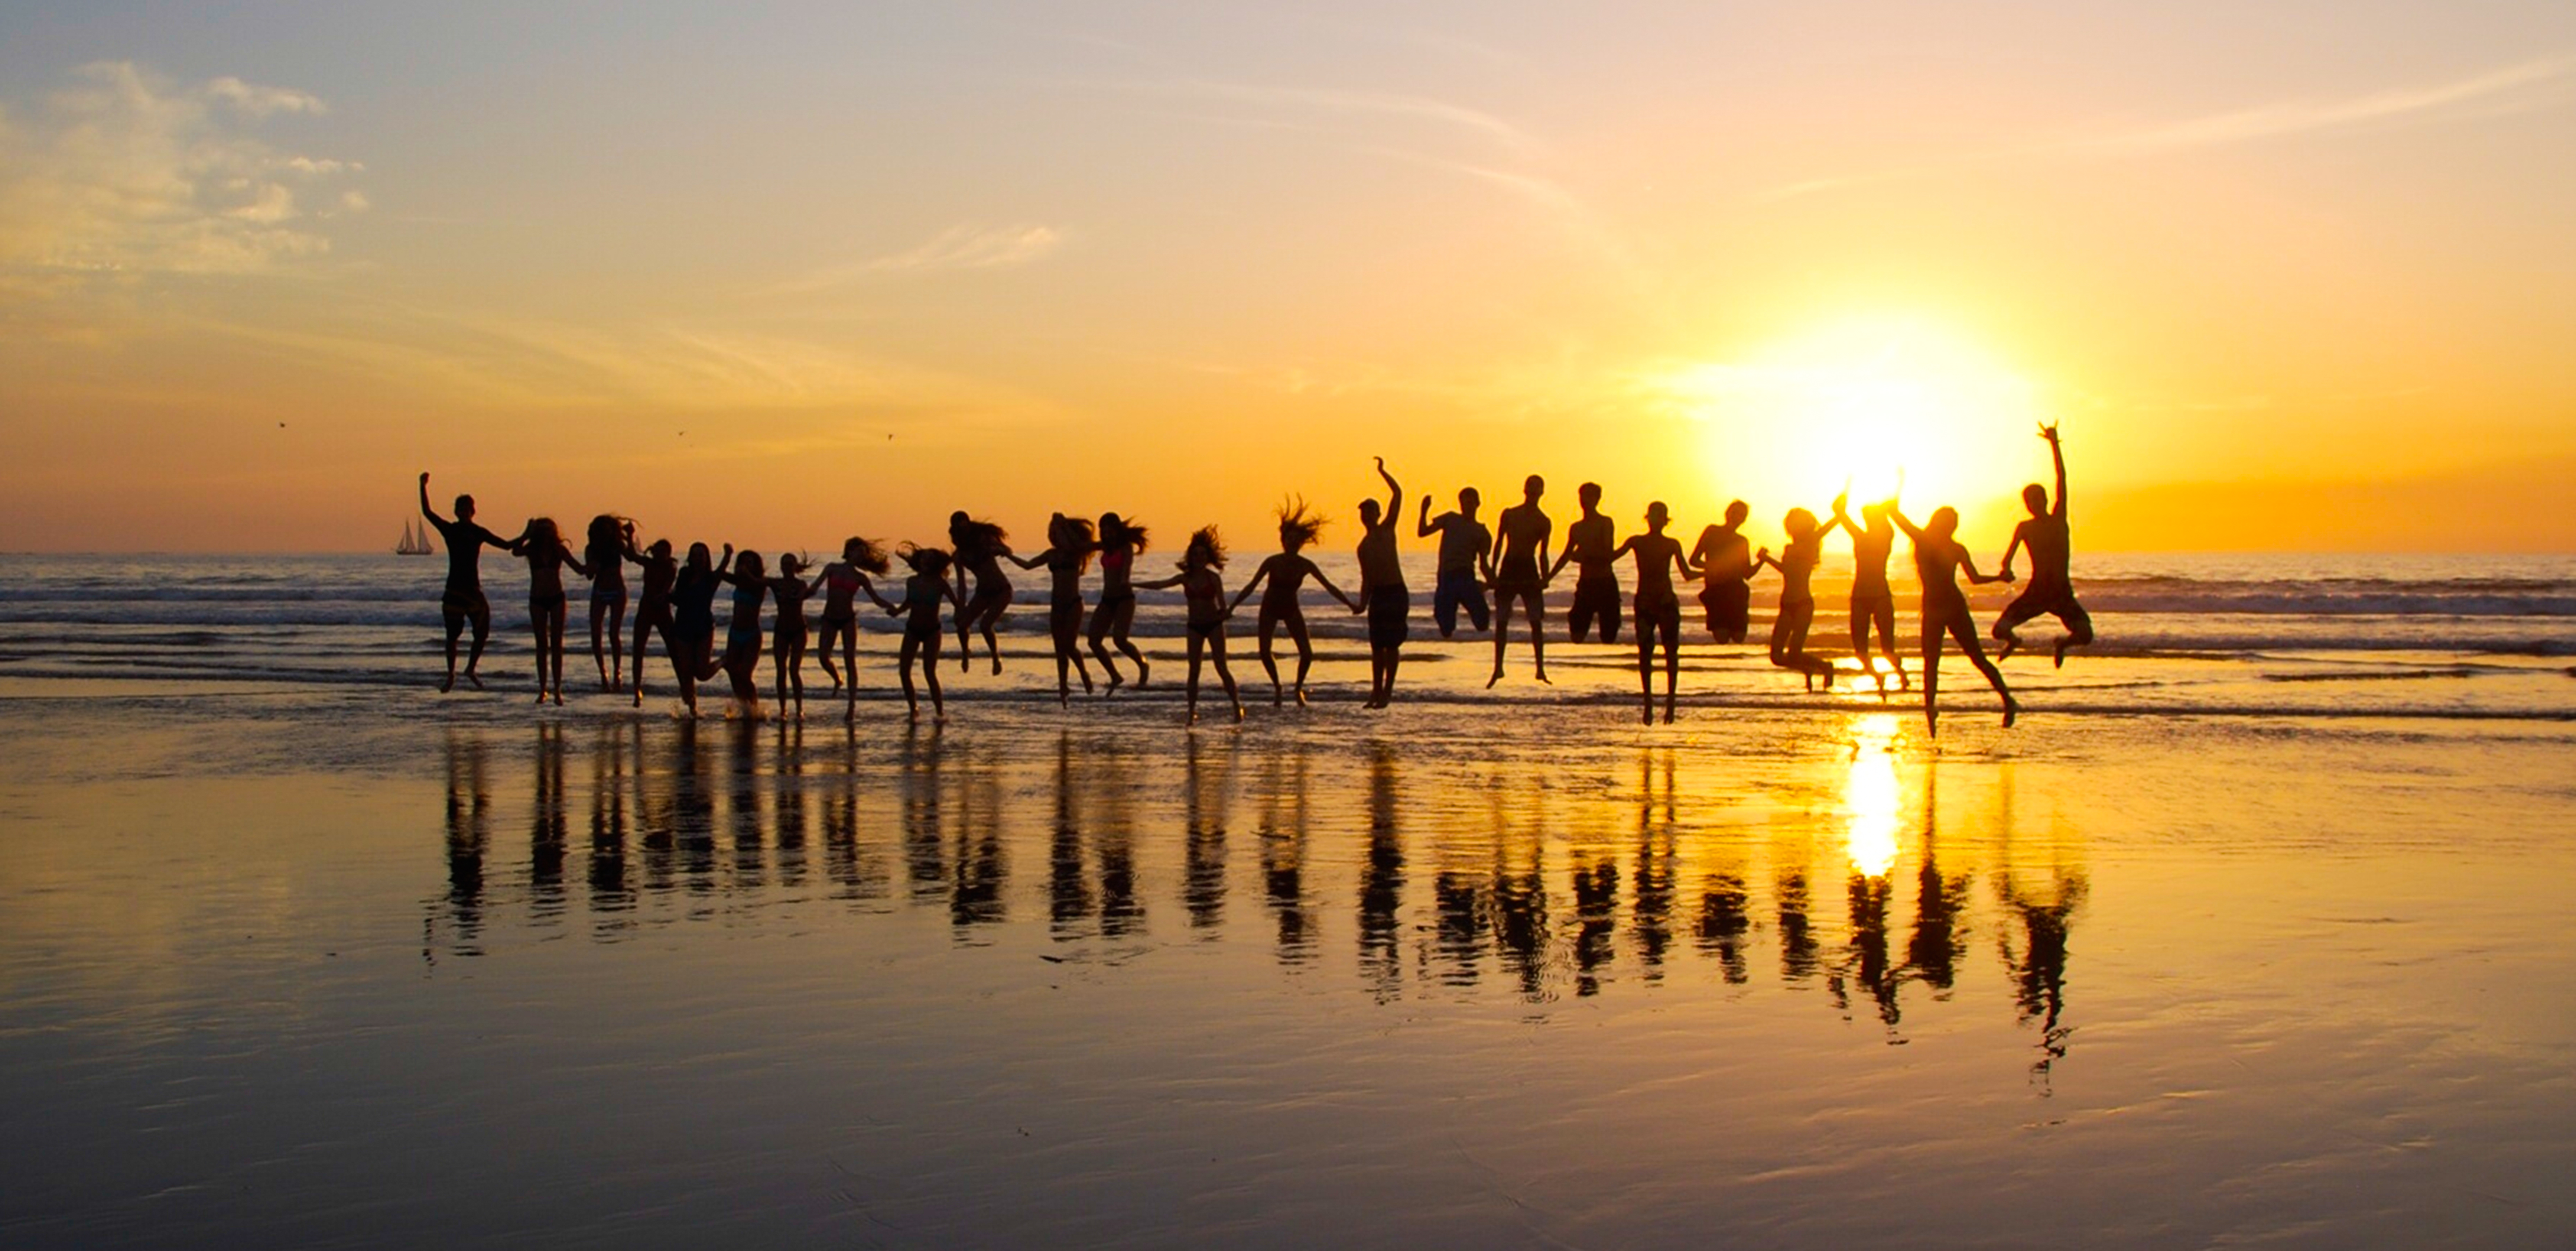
(1284, 573)
(1797, 565)
(1202, 583)
(690, 639)
(1068, 556)
(1121, 542)
(841, 582)
(741, 660)
(1872, 603)
(789, 590)
(1465, 545)
(1725, 559)
(1515, 568)
(541, 544)
(923, 593)
(2051, 591)
(462, 601)
(978, 548)
(605, 552)
(1938, 557)
(1588, 544)
(1658, 606)
(1382, 592)
(653, 600)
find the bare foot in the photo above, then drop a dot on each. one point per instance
(478, 682)
(1140, 675)
(2011, 645)
(1498, 676)
(1542, 677)
(1238, 714)
(447, 684)
(2061, 653)
(1115, 682)
(2011, 710)
(1301, 697)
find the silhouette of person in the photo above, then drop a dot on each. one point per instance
(1588, 544)
(2052, 589)
(653, 601)
(1382, 592)
(1515, 570)
(1067, 558)
(1464, 544)
(605, 553)
(1797, 563)
(979, 547)
(841, 582)
(1725, 559)
(541, 545)
(690, 641)
(1203, 588)
(1658, 606)
(741, 660)
(1872, 603)
(1284, 574)
(1938, 556)
(1121, 542)
(923, 592)
(789, 590)
(462, 601)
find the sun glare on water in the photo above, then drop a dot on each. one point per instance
(1872, 797)
(1868, 403)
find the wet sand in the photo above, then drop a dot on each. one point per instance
(296, 971)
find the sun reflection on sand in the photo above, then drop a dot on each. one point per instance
(1872, 796)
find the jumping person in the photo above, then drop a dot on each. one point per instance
(1872, 603)
(1202, 584)
(462, 601)
(691, 638)
(1465, 544)
(605, 551)
(841, 581)
(1725, 560)
(979, 547)
(653, 601)
(741, 660)
(1121, 542)
(1066, 559)
(923, 592)
(1659, 607)
(1588, 544)
(1797, 564)
(787, 638)
(1382, 592)
(1284, 574)
(541, 545)
(1515, 573)
(1938, 556)
(2052, 587)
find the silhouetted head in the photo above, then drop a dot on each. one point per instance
(1588, 495)
(1368, 513)
(2035, 498)
(748, 565)
(1117, 531)
(1799, 523)
(930, 562)
(1657, 515)
(465, 508)
(866, 554)
(700, 558)
(542, 532)
(1944, 522)
(970, 535)
(1535, 487)
(1206, 550)
(1468, 499)
(603, 531)
(791, 564)
(661, 549)
(1873, 515)
(1737, 512)
(1298, 524)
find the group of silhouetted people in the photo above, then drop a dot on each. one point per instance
(965, 580)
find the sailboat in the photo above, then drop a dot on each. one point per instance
(415, 541)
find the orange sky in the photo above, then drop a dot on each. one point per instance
(811, 271)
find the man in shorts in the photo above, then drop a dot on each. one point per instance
(2052, 589)
(1588, 544)
(463, 601)
(1515, 573)
(1464, 543)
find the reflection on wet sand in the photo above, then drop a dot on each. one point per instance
(1651, 870)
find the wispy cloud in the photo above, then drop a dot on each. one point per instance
(958, 247)
(1372, 104)
(2511, 89)
(122, 173)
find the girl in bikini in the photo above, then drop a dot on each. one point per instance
(841, 583)
(980, 547)
(653, 602)
(787, 638)
(1797, 565)
(1121, 541)
(1068, 556)
(1203, 587)
(1285, 573)
(542, 546)
(741, 660)
(606, 552)
(923, 593)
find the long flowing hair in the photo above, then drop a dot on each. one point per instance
(929, 562)
(867, 554)
(1298, 524)
(1072, 534)
(1206, 547)
(606, 534)
(1117, 531)
(974, 538)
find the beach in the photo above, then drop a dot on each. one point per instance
(2252, 930)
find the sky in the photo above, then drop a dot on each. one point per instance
(2291, 276)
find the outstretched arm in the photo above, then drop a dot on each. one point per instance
(2056, 455)
(579, 569)
(424, 499)
(1424, 528)
(1969, 564)
(1160, 584)
(1911, 530)
(1254, 581)
(2010, 548)
(1028, 562)
(1327, 584)
(1394, 493)
(1842, 515)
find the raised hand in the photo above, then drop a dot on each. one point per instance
(2048, 431)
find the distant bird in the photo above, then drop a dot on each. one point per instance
(684, 434)
(281, 425)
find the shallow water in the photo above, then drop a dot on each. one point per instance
(292, 969)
